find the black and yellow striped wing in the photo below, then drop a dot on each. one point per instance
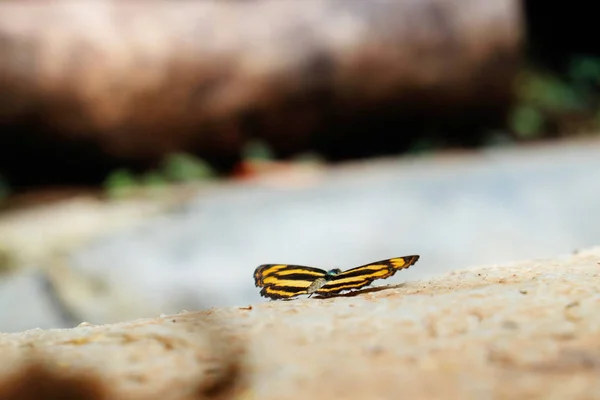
(281, 281)
(362, 276)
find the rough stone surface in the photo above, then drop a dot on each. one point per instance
(525, 330)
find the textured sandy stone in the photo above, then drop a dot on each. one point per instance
(525, 330)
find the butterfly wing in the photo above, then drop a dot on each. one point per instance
(362, 276)
(284, 280)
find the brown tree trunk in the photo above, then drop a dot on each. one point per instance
(136, 80)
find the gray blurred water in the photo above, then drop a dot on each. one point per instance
(459, 211)
(492, 207)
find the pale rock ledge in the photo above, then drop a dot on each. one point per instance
(525, 330)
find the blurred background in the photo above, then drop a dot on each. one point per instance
(153, 153)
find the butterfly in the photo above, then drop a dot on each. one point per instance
(282, 281)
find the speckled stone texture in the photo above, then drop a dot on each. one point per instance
(525, 330)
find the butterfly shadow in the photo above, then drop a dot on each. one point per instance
(361, 291)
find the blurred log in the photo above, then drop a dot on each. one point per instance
(85, 86)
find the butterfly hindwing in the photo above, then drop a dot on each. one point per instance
(280, 281)
(362, 276)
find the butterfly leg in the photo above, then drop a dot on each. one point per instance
(316, 285)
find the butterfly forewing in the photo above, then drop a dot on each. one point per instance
(285, 280)
(362, 276)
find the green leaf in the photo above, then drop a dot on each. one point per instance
(153, 179)
(526, 121)
(582, 69)
(120, 183)
(257, 150)
(548, 92)
(422, 145)
(181, 167)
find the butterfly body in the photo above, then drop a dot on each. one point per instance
(281, 281)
